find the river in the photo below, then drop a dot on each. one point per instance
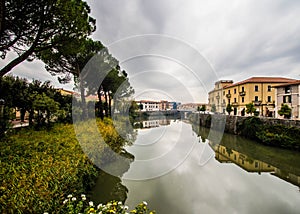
(178, 170)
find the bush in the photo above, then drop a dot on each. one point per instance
(39, 168)
(249, 127)
(74, 205)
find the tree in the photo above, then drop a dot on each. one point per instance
(69, 60)
(250, 109)
(45, 106)
(30, 27)
(229, 108)
(213, 108)
(203, 108)
(285, 110)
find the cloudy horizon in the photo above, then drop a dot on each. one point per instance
(233, 40)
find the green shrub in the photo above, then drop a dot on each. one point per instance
(39, 168)
(249, 127)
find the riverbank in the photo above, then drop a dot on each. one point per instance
(269, 131)
(40, 168)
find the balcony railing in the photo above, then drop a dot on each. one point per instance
(242, 93)
(228, 95)
(257, 103)
(235, 104)
(217, 97)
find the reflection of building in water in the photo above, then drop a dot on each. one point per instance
(225, 155)
(289, 177)
(150, 123)
(164, 122)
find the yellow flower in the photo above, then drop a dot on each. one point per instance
(91, 210)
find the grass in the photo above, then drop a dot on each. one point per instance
(38, 169)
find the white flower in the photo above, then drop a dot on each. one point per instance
(65, 201)
(83, 196)
(91, 204)
(145, 203)
(126, 208)
(120, 202)
(70, 196)
(46, 213)
(73, 199)
(99, 206)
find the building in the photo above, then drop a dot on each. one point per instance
(288, 93)
(215, 97)
(257, 90)
(190, 106)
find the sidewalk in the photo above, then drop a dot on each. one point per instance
(18, 123)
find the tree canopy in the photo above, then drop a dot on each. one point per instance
(285, 111)
(31, 27)
(250, 109)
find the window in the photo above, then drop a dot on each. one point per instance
(235, 91)
(269, 99)
(269, 88)
(256, 98)
(287, 99)
(256, 164)
(256, 88)
(235, 100)
(243, 99)
(228, 101)
(223, 101)
(228, 91)
(223, 93)
(287, 89)
(243, 89)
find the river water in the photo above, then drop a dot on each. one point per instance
(178, 170)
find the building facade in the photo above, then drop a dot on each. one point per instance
(257, 90)
(216, 97)
(288, 94)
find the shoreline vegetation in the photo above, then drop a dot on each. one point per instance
(254, 128)
(39, 168)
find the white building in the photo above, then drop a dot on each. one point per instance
(288, 94)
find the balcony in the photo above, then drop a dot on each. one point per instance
(242, 93)
(257, 103)
(272, 103)
(217, 97)
(228, 96)
(235, 104)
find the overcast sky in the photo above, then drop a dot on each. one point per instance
(175, 49)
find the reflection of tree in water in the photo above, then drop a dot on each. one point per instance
(108, 188)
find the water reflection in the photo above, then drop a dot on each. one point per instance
(254, 157)
(218, 186)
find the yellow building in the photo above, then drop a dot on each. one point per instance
(216, 98)
(257, 90)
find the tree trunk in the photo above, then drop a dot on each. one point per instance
(100, 103)
(106, 104)
(109, 105)
(82, 95)
(2, 17)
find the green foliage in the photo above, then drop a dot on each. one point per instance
(213, 108)
(273, 135)
(203, 108)
(249, 127)
(34, 97)
(285, 110)
(35, 26)
(250, 109)
(280, 136)
(229, 108)
(39, 168)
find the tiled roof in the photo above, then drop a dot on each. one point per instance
(263, 80)
(296, 82)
